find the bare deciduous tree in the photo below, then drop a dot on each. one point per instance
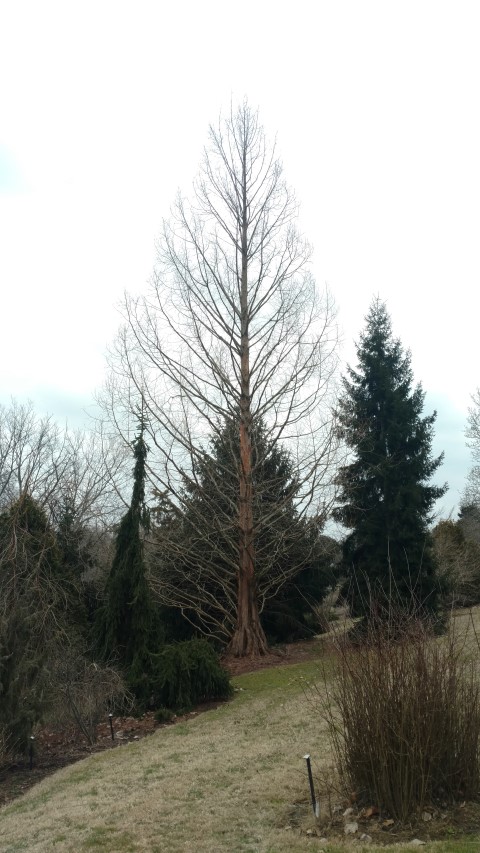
(32, 453)
(472, 492)
(59, 467)
(232, 329)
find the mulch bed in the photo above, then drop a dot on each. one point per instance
(299, 652)
(450, 822)
(56, 748)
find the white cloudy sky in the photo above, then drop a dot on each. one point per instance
(104, 109)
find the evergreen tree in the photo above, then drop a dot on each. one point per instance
(76, 560)
(128, 625)
(33, 614)
(31, 568)
(21, 669)
(385, 497)
(197, 547)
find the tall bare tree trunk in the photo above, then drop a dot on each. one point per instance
(249, 637)
(232, 330)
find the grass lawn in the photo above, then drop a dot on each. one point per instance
(232, 779)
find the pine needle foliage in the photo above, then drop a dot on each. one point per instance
(385, 495)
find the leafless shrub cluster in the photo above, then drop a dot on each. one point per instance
(404, 718)
(84, 691)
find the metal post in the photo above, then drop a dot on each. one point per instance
(110, 718)
(315, 805)
(30, 751)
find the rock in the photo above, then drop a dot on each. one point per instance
(426, 816)
(351, 828)
(365, 837)
(347, 812)
(417, 843)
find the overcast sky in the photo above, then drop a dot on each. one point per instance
(104, 111)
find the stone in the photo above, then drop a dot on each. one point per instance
(351, 828)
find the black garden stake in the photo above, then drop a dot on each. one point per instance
(315, 805)
(110, 718)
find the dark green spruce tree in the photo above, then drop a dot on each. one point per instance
(385, 496)
(129, 628)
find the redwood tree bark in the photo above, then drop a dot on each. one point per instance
(249, 637)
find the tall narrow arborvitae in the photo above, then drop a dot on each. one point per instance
(129, 627)
(385, 495)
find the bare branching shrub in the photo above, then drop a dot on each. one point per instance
(84, 691)
(404, 718)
